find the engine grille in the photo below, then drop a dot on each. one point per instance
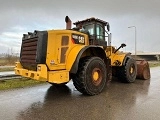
(33, 49)
(28, 53)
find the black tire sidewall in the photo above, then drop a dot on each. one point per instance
(94, 62)
(131, 77)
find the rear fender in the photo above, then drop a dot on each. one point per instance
(97, 51)
(127, 56)
(119, 59)
(72, 55)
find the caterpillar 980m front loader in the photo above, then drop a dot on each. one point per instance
(83, 54)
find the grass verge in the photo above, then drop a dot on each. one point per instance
(18, 83)
(154, 64)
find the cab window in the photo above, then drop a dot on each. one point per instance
(89, 28)
(100, 32)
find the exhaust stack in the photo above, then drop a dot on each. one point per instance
(68, 22)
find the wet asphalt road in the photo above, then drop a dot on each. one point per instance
(7, 73)
(119, 101)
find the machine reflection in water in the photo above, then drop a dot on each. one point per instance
(64, 102)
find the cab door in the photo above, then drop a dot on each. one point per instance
(100, 35)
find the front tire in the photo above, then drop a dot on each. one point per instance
(128, 72)
(90, 78)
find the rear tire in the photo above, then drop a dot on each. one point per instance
(90, 78)
(128, 72)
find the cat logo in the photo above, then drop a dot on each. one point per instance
(81, 39)
(78, 39)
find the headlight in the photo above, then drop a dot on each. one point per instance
(52, 62)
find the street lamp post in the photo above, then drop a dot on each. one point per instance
(135, 40)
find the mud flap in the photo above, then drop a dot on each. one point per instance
(143, 70)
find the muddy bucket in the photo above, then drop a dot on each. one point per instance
(143, 70)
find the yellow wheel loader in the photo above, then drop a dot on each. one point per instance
(83, 54)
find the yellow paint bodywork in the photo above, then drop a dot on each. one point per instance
(54, 71)
(72, 55)
(54, 49)
(118, 56)
(58, 76)
(37, 75)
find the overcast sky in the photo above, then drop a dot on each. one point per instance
(18, 17)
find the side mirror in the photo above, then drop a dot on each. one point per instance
(123, 45)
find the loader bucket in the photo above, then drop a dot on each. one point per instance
(143, 70)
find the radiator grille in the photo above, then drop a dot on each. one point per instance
(28, 53)
(33, 49)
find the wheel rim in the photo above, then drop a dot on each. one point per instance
(132, 69)
(96, 76)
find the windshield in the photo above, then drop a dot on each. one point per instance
(89, 28)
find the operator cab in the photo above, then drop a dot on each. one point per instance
(95, 28)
